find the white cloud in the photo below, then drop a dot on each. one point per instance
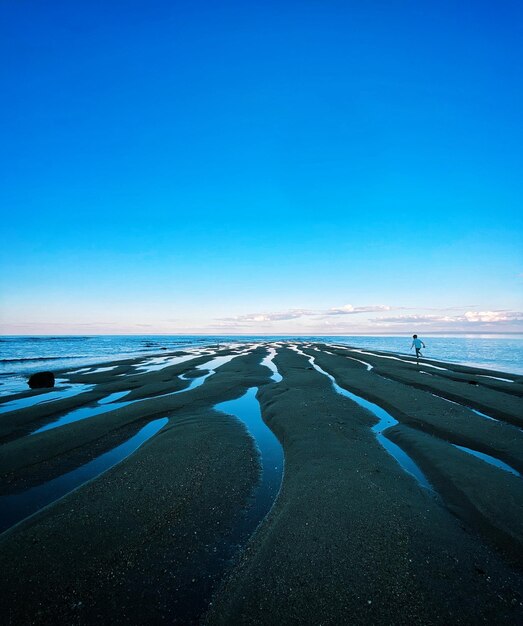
(270, 317)
(493, 316)
(471, 319)
(411, 319)
(348, 309)
(292, 314)
(349, 319)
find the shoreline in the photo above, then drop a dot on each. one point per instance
(62, 352)
(348, 526)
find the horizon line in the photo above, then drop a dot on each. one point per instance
(399, 334)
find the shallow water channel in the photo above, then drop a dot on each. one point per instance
(15, 508)
(247, 409)
(60, 392)
(99, 370)
(464, 406)
(105, 405)
(114, 401)
(268, 361)
(491, 460)
(385, 421)
(209, 368)
(406, 361)
(396, 451)
(352, 358)
(223, 555)
(161, 362)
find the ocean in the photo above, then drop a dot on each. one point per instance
(21, 356)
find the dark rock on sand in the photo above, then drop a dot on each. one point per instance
(41, 380)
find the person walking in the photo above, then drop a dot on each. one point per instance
(417, 343)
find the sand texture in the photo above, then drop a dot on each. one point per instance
(351, 538)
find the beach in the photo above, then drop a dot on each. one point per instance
(134, 495)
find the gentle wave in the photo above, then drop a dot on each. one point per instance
(32, 339)
(42, 358)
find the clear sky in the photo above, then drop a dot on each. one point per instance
(261, 167)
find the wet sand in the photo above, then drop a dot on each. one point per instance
(351, 537)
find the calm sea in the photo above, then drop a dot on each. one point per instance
(21, 356)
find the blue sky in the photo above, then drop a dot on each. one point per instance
(261, 167)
